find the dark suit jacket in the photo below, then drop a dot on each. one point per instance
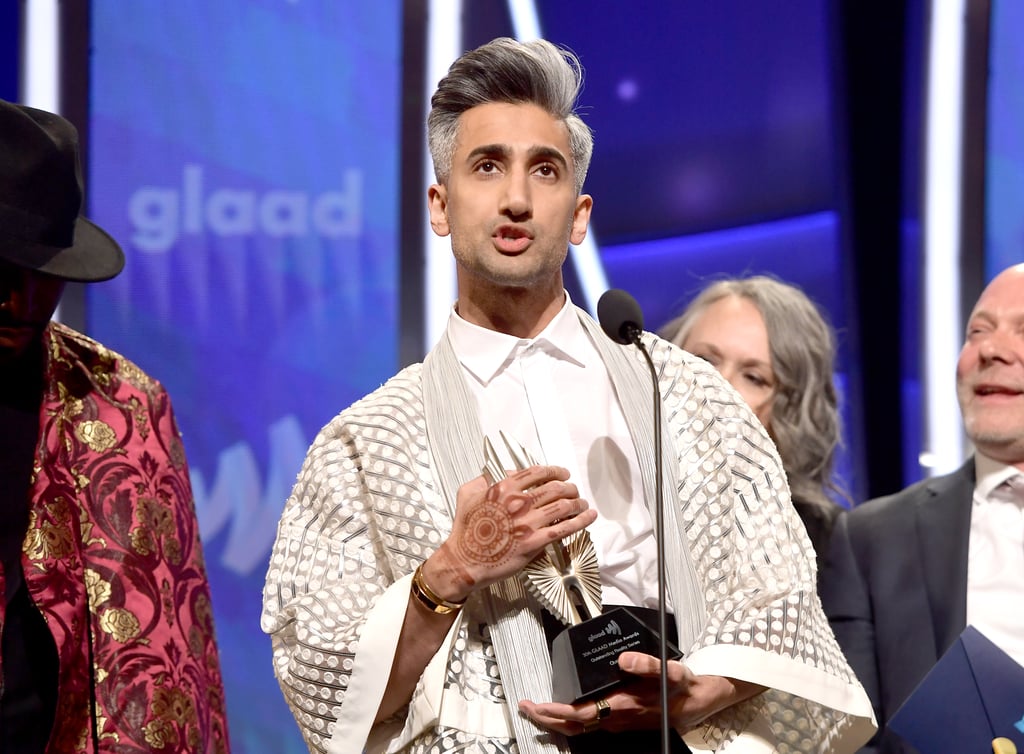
(818, 520)
(895, 588)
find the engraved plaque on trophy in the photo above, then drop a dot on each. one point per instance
(565, 579)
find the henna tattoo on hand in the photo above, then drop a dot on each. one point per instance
(490, 531)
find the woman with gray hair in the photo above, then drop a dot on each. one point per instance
(768, 339)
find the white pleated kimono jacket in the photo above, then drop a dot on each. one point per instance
(375, 498)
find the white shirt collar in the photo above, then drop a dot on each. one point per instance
(484, 353)
(989, 474)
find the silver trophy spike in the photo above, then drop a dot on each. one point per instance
(564, 578)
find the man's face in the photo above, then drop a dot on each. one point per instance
(27, 301)
(510, 203)
(990, 372)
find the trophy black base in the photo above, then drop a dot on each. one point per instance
(584, 658)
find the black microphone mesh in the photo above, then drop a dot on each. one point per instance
(620, 315)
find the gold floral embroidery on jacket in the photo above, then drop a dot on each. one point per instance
(98, 589)
(106, 365)
(130, 372)
(172, 710)
(156, 524)
(98, 435)
(140, 417)
(120, 623)
(85, 527)
(116, 561)
(49, 540)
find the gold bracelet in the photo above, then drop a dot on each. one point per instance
(429, 599)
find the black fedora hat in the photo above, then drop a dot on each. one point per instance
(41, 198)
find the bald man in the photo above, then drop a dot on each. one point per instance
(910, 571)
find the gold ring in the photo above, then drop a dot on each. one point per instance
(603, 710)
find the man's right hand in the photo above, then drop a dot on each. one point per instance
(500, 528)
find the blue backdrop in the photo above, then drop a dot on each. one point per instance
(1004, 163)
(244, 153)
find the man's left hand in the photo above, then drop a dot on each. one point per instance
(637, 705)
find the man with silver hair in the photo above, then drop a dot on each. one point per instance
(395, 595)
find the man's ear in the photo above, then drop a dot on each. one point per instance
(581, 219)
(437, 203)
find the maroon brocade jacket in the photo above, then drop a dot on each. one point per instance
(113, 561)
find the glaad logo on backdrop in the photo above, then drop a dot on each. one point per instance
(161, 214)
(247, 499)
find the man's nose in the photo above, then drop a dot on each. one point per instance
(999, 346)
(516, 200)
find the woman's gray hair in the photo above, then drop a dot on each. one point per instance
(805, 422)
(509, 71)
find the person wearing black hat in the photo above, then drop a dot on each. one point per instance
(107, 635)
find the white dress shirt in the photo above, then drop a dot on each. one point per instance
(553, 395)
(995, 557)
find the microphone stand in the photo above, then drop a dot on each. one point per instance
(622, 321)
(659, 534)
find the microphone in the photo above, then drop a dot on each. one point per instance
(620, 317)
(623, 321)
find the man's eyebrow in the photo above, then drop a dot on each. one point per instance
(489, 150)
(550, 153)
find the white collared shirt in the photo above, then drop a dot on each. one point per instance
(995, 560)
(553, 395)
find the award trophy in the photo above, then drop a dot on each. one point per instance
(565, 579)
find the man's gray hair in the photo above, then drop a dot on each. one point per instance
(508, 71)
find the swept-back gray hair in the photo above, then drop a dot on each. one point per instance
(805, 423)
(509, 71)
